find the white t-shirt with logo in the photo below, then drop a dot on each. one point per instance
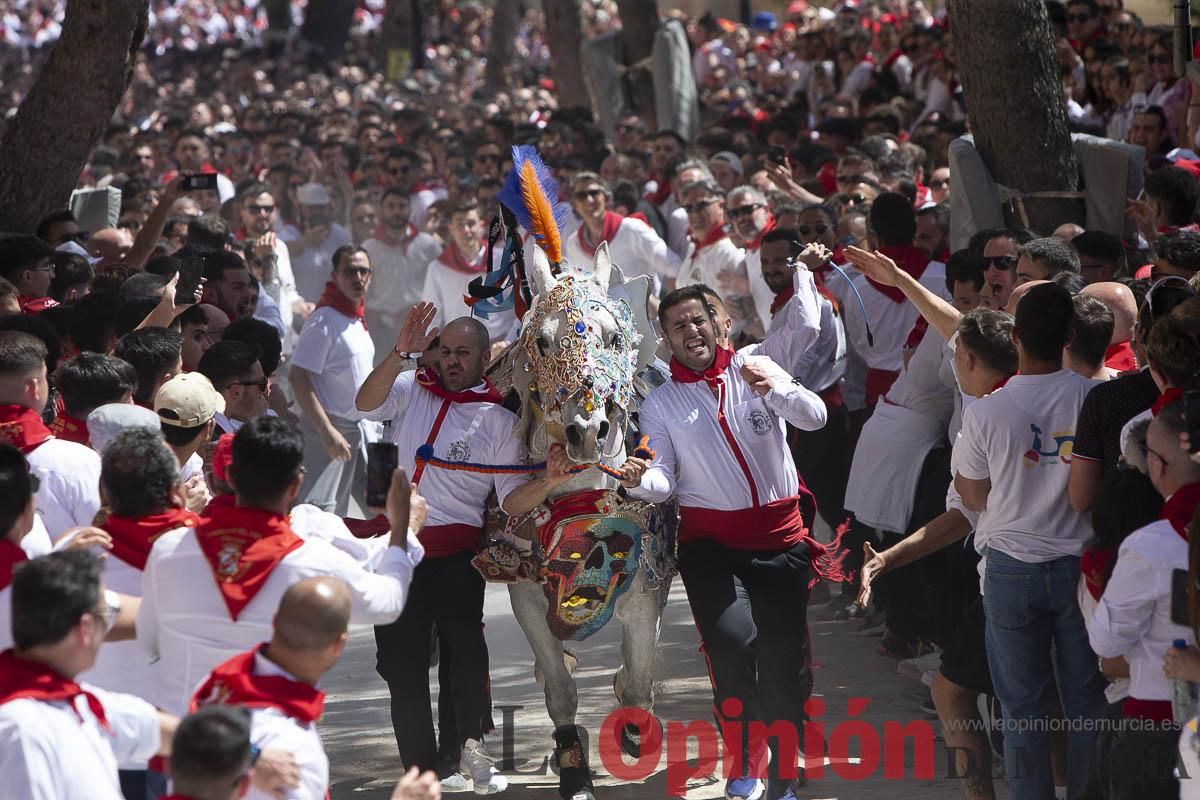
(1020, 437)
(339, 353)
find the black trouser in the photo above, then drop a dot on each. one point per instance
(823, 459)
(750, 607)
(446, 591)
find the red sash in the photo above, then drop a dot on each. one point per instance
(781, 300)
(23, 679)
(1120, 357)
(1095, 564)
(454, 260)
(235, 683)
(612, 224)
(1180, 507)
(720, 363)
(878, 383)
(22, 428)
(11, 554)
(132, 538)
(243, 545)
(774, 526)
(1170, 395)
(912, 260)
(70, 429)
(335, 298)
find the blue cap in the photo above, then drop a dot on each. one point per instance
(764, 21)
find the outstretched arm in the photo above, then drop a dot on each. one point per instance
(881, 269)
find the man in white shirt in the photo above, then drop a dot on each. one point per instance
(235, 371)
(58, 738)
(400, 255)
(632, 244)
(463, 259)
(22, 536)
(210, 591)
(1012, 466)
(319, 237)
(752, 220)
(277, 680)
(332, 358)
(69, 473)
(718, 430)
(259, 213)
(454, 410)
(1134, 617)
(211, 757)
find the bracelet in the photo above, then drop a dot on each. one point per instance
(405, 355)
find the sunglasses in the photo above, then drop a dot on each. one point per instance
(698, 208)
(588, 194)
(260, 209)
(745, 211)
(999, 262)
(1079, 17)
(261, 384)
(820, 229)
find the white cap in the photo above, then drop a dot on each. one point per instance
(313, 194)
(109, 420)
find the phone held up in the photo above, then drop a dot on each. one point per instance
(382, 460)
(200, 182)
(190, 272)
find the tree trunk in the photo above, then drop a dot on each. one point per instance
(564, 30)
(639, 22)
(505, 17)
(327, 25)
(49, 140)
(1014, 96)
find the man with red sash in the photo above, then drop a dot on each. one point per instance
(463, 259)
(454, 410)
(210, 591)
(333, 357)
(888, 315)
(86, 382)
(69, 472)
(60, 738)
(718, 432)
(277, 680)
(1133, 618)
(632, 243)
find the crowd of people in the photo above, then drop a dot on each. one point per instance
(996, 437)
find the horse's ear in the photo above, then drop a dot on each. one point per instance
(602, 266)
(541, 274)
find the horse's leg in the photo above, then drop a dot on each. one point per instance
(529, 606)
(640, 613)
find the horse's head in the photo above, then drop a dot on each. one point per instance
(580, 350)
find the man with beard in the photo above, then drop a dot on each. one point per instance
(400, 255)
(259, 214)
(333, 357)
(752, 220)
(227, 284)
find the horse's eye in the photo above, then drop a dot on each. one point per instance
(614, 340)
(543, 344)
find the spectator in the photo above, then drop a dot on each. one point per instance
(234, 369)
(86, 382)
(156, 355)
(25, 263)
(1091, 331)
(400, 255)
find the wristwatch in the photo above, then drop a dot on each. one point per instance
(405, 355)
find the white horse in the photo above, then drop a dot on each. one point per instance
(581, 352)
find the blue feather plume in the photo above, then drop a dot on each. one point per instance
(513, 195)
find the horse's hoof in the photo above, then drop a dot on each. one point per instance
(631, 739)
(574, 775)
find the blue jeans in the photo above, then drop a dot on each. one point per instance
(1031, 613)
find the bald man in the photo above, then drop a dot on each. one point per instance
(277, 680)
(454, 409)
(1018, 292)
(1123, 305)
(1067, 231)
(110, 245)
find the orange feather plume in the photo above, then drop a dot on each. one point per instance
(541, 214)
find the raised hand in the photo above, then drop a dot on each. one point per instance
(814, 255)
(632, 471)
(415, 334)
(874, 565)
(875, 266)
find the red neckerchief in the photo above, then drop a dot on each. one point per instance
(661, 193)
(35, 305)
(1000, 384)
(235, 683)
(132, 537)
(220, 502)
(381, 234)
(454, 260)
(917, 333)
(335, 298)
(893, 58)
(1170, 395)
(781, 300)
(912, 260)
(22, 428)
(683, 374)
(71, 429)
(1094, 565)
(11, 554)
(1120, 357)
(430, 381)
(1180, 507)
(639, 216)
(24, 679)
(752, 247)
(243, 545)
(715, 235)
(612, 224)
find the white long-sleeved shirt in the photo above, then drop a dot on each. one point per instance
(806, 338)
(399, 272)
(56, 750)
(1133, 617)
(183, 620)
(635, 248)
(695, 460)
(890, 321)
(69, 495)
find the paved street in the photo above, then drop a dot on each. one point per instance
(358, 736)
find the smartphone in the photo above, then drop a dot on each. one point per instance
(190, 272)
(382, 460)
(1180, 611)
(1191, 417)
(202, 181)
(777, 154)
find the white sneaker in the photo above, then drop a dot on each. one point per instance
(456, 783)
(476, 763)
(916, 667)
